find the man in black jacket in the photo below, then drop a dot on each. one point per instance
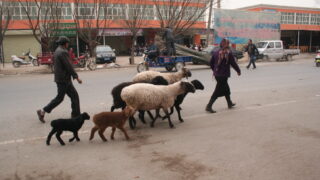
(252, 53)
(63, 71)
(169, 40)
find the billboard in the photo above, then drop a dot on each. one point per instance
(239, 26)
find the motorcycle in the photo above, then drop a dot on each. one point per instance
(32, 59)
(317, 59)
(21, 60)
(84, 61)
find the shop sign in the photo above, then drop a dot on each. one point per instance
(239, 26)
(66, 29)
(118, 32)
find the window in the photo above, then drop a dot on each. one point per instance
(113, 11)
(302, 18)
(315, 19)
(261, 44)
(271, 45)
(278, 44)
(85, 11)
(287, 18)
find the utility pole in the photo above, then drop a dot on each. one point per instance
(209, 22)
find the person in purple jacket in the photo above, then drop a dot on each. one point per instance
(220, 64)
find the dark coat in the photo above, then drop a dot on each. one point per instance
(252, 49)
(168, 35)
(63, 69)
(223, 70)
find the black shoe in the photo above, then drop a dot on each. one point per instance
(210, 110)
(231, 105)
(40, 115)
(254, 68)
(247, 67)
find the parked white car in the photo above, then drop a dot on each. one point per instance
(273, 49)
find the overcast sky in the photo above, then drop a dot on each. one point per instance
(233, 4)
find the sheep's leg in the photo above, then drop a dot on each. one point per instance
(158, 114)
(76, 136)
(179, 113)
(141, 116)
(132, 122)
(59, 138)
(125, 132)
(169, 119)
(151, 116)
(171, 110)
(101, 131)
(112, 108)
(113, 131)
(50, 135)
(71, 139)
(152, 122)
(93, 130)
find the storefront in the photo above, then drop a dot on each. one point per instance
(17, 42)
(119, 39)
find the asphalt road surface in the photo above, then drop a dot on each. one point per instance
(273, 132)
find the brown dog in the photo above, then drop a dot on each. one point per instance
(111, 119)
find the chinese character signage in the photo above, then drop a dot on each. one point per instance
(239, 26)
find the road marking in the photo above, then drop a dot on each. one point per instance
(36, 138)
(257, 106)
(270, 105)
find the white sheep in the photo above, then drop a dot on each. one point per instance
(147, 97)
(147, 76)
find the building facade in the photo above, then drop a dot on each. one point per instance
(300, 27)
(113, 33)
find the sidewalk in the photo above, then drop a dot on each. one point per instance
(8, 69)
(121, 62)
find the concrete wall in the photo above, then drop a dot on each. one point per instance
(18, 42)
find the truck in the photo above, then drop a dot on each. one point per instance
(273, 49)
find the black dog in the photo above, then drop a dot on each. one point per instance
(73, 125)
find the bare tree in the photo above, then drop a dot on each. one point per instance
(136, 18)
(6, 11)
(44, 18)
(90, 18)
(181, 15)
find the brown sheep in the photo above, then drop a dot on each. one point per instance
(111, 119)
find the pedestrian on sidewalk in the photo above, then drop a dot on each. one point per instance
(252, 53)
(63, 71)
(220, 64)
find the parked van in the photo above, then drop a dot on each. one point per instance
(273, 49)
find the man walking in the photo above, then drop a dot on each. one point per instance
(169, 40)
(63, 71)
(252, 52)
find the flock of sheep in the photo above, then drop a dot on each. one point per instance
(149, 90)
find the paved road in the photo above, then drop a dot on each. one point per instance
(273, 133)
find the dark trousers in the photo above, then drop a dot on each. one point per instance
(222, 89)
(171, 49)
(63, 89)
(252, 61)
